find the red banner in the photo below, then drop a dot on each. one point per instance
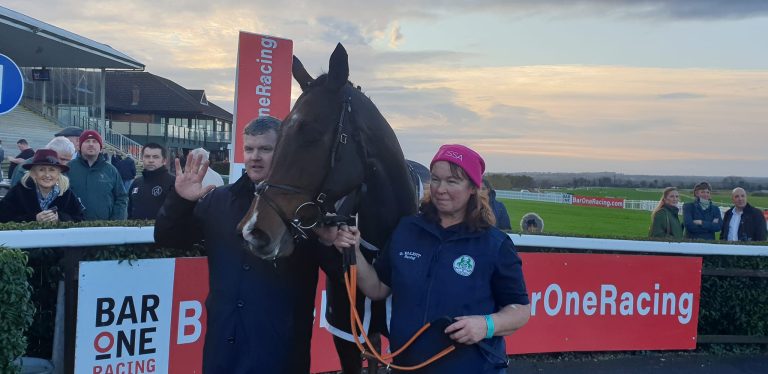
(262, 86)
(604, 202)
(579, 302)
(594, 302)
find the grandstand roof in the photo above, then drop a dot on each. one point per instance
(157, 95)
(33, 43)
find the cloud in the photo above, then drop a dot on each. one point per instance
(680, 96)
(395, 36)
(548, 117)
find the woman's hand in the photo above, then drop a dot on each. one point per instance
(467, 329)
(347, 237)
(47, 216)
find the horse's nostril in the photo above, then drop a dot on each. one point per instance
(261, 239)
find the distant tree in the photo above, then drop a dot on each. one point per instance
(643, 184)
(605, 182)
(733, 182)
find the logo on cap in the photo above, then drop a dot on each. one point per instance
(454, 154)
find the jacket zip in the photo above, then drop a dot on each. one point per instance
(432, 264)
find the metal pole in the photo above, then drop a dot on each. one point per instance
(103, 95)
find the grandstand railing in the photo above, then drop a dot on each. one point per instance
(115, 139)
(145, 129)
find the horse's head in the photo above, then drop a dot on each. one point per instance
(319, 158)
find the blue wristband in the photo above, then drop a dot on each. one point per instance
(489, 326)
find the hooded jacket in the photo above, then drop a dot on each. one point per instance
(260, 312)
(99, 188)
(437, 272)
(147, 193)
(20, 204)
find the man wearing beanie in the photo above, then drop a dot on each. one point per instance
(96, 182)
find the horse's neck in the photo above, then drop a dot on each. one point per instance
(389, 197)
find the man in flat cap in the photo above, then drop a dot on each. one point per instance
(73, 134)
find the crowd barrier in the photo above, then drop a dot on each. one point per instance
(571, 284)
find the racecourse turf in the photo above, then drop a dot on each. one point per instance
(564, 219)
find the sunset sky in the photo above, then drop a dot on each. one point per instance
(639, 87)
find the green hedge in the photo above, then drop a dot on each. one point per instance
(16, 306)
(46, 273)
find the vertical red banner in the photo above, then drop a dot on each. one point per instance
(188, 315)
(262, 85)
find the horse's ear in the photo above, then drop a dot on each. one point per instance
(338, 68)
(300, 74)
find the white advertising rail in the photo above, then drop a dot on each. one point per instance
(96, 236)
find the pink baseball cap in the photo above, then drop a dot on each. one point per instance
(462, 156)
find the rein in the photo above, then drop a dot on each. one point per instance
(321, 206)
(350, 282)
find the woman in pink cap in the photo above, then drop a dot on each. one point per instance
(43, 195)
(449, 261)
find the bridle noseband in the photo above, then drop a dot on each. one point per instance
(313, 212)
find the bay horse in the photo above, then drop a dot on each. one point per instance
(335, 154)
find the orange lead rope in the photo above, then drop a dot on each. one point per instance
(350, 281)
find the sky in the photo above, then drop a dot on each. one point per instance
(677, 87)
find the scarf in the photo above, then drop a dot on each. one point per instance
(45, 201)
(705, 203)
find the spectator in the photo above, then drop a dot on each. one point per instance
(743, 222)
(701, 217)
(127, 169)
(211, 176)
(64, 150)
(147, 193)
(116, 158)
(96, 182)
(25, 153)
(499, 210)
(449, 260)
(73, 134)
(532, 223)
(43, 194)
(665, 222)
(241, 334)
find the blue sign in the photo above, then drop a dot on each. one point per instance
(11, 84)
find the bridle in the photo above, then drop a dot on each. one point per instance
(313, 212)
(320, 205)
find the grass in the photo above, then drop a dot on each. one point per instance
(581, 220)
(720, 197)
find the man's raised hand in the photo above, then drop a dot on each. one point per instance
(189, 182)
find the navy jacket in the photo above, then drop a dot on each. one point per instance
(147, 193)
(692, 211)
(751, 227)
(436, 272)
(500, 211)
(127, 168)
(260, 312)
